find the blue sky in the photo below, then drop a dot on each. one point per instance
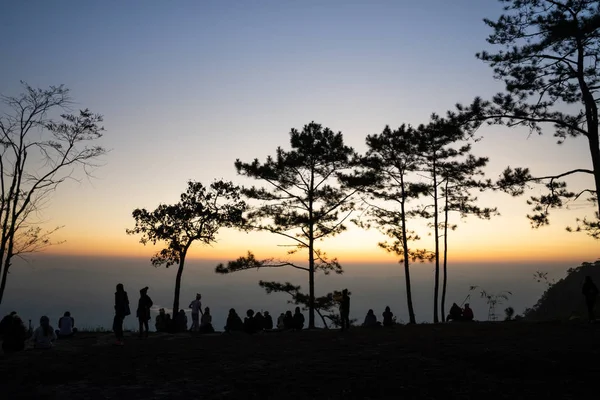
(186, 87)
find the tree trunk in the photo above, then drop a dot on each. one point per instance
(409, 303)
(591, 114)
(178, 283)
(445, 265)
(595, 153)
(436, 288)
(5, 268)
(311, 255)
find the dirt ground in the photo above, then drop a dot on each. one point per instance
(459, 361)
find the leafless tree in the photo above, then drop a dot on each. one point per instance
(41, 146)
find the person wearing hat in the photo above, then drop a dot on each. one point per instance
(196, 307)
(143, 311)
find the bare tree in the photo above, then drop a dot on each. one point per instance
(38, 152)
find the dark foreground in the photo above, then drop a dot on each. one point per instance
(502, 360)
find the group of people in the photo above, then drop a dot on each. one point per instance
(371, 319)
(252, 323)
(201, 320)
(14, 334)
(460, 314)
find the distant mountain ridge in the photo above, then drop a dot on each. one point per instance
(563, 299)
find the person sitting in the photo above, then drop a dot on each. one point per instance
(388, 317)
(206, 322)
(288, 320)
(181, 322)
(298, 319)
(370, 320)
(13, 332)
(249, 323)
(467, 313)
(66, 326)
(234, 322)
(268, 321)
(170, 323)
(280, 322)
(455, 313)
(44, 335)
(161, 323)
(259, 321)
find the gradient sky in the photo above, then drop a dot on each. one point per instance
(186, 87)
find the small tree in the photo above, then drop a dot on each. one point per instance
(38, 152)
(198, 216)
(492, 300)
(549, 64)
(305, 191)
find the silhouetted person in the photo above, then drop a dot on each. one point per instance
(29, 330)
(249, 324)
(455, 313)
(298, 319)
(388, 317)
(170, 324)
(268, 321)
(259, 321)
(6, 322)
(370, 320)
(196, 306)
(206, 322)
(66, 326)
(345, 310)
(288, 320)
(13, 333)
(121, 311)
(590, 292)
(281, 321)
(467, 313)
(161, 324)
(44, 335)
(181, 321)
(234, 322)
(143, 312)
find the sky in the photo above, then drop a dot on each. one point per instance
(187, 87)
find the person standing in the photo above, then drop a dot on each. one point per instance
(345, 310)
(121, 311)
(196, 306)
(590, 292)
(143, 311)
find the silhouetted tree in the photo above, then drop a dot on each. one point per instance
(198, 216)
(37, 154)
(460, 179)
(435, 141)
(301, 201)
(393, 157)
(549, 65)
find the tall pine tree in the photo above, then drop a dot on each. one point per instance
(303, 198)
